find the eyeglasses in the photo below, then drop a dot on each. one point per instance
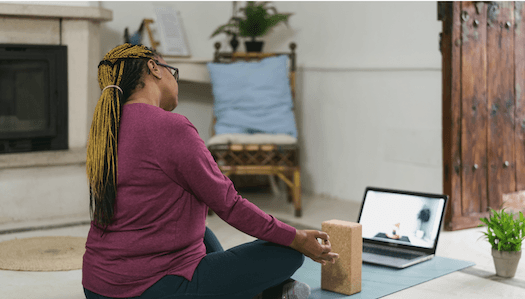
(174, 71)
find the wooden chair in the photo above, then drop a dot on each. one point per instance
(264, 154)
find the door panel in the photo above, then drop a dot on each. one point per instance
(500, 87)
(519, 61)
(474, 107)
(483, 48)
(451, 108)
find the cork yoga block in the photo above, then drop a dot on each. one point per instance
(345, 275)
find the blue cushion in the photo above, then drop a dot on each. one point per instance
(253, 97)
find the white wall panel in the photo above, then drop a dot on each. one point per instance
(361, 34)
(370, 128)
(369, 86)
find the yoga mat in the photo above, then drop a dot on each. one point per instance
(379, 281)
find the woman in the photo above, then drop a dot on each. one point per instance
(148, 237)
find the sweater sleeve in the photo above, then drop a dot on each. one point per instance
(184, 157)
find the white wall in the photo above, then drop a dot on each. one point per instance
(199, 20)
(369, 87)
(362, 34)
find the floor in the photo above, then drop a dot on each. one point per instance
(475, 282)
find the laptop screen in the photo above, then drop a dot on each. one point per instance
(401, 218)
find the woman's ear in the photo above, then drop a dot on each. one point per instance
(154, 69)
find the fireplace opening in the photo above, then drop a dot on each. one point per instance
(33, 98)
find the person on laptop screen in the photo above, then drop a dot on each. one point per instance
(400, 220)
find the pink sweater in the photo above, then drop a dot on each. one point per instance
(167, 179)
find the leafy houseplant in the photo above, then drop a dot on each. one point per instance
(257, 19)
(505, 234)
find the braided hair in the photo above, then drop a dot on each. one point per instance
(124, 67)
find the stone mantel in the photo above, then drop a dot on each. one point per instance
(55, 12)
(75, 156)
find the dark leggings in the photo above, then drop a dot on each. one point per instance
(239, 272)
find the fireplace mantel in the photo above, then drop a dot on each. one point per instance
(76, 156)
(55, 12)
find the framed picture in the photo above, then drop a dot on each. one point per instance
(173, 42)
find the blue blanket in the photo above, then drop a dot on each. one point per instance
(378, 281)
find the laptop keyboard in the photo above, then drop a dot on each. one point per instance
(397, 254)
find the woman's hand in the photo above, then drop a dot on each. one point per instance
(305, 242)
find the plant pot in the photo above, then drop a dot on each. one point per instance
(253, 46)
(506, 262)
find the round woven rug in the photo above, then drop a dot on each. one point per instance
(42, 254)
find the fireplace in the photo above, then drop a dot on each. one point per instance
(36, 180)
(33, 98)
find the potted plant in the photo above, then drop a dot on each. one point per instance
(505, 234)
(257, 19)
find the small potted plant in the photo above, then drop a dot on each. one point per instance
(257, 19)
(505, 234)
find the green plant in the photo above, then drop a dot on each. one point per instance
(257, 20)
(504, 232)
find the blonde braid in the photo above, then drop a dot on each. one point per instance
(101, 163)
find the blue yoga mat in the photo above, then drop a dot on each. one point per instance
(379, 281)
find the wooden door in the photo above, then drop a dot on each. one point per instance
(483, 68)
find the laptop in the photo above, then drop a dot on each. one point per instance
(400, 228)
